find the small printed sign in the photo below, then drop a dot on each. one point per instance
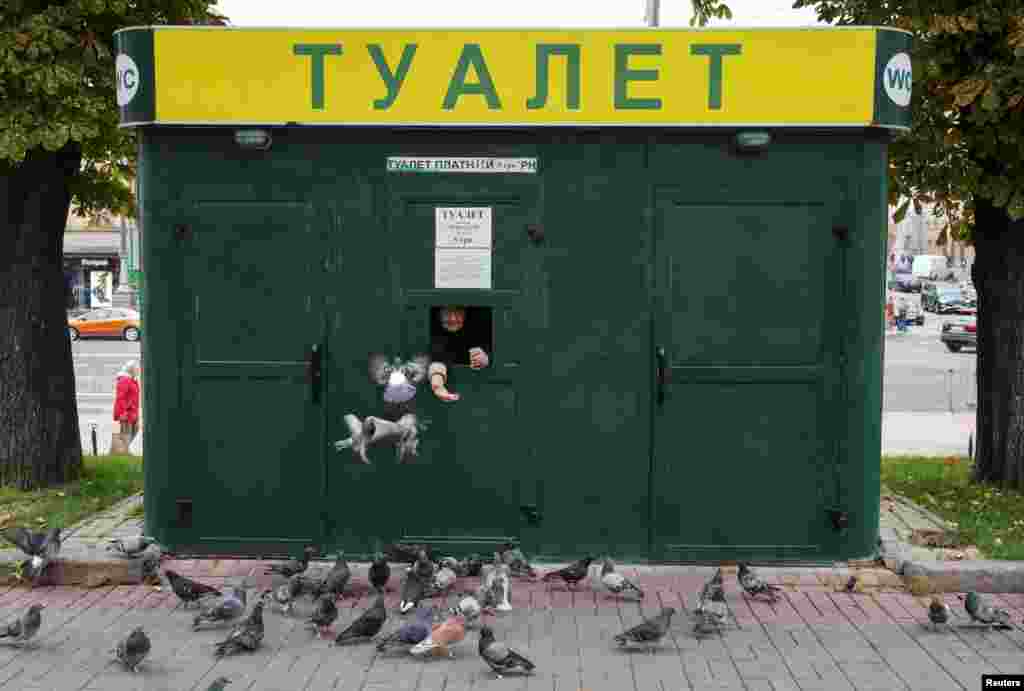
(462, 268)
(462, 227)
(460, 164)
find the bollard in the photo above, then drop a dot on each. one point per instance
(949, 388)
(970, 446)
(95, 449)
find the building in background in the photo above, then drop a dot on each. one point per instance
(918, 234)
(101, 262)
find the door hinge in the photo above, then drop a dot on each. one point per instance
(183, 232)
(842, 233)
(536, 232)
(840, 519)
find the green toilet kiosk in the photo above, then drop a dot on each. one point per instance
(671, 244)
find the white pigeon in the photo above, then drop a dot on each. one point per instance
(130, 546)
(398, 378)
(615, 583)
(711, 614)
(444, 578)
(469, 607)
(365, 433)
(496, 589)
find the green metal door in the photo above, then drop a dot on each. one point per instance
(745, 370)
(254, 288)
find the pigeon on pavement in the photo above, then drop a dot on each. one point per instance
(246, 636)
(649, 632)
(711, 615)
(380, 572)
(134, 649)
(411, 632)
(398, 378)
(336, 580)
(617, 584)
(572, 574)
(413, 589)
(469, 607)
(226, 608)
(496, 589)
(218, 684)
(755, 586)
(366, 626)
(443, 580)
(984, 613)
(938, 612)
(130, 546)
(499, 657)
(41, 548)
(284, 594)
(21, 630)
(325, 612)
(442, 637)
(295, 566)
(187, 590)
(424, 567)
(516, 561)
(710, 588)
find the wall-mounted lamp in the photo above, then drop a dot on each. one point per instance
(753, 141)
(256, 140)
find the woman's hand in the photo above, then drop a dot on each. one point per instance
(478, 358)
(437, 385)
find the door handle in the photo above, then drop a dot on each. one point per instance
(663, 373)
(314, 371)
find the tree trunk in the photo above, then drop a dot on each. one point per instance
(39, 439)
(998, 275)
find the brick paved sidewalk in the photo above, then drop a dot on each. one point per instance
(814, 638)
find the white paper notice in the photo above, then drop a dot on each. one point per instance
(462, 268)
(462, 247)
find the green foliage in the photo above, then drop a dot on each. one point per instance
(57, 85)
(967, 140)
(705, 10)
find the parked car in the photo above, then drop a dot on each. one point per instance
(913, 304)
(957, 335)
(944, 299)
(111, 322)
(906, 283)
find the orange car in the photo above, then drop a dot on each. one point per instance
(106, 321)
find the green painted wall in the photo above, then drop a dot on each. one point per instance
(735, 264)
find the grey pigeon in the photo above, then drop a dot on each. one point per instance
(411, 632)
(41, 548)
(246, 636)
(651, 631)
(443, 580)
(295, 566)
(218, 684)
(398, 378)
(516, 561)
(366, 626)
(224, 609)
(938, 612)
(469, 608)
(325, 612)
(499, 657)
(711, 615)
(187, 590)
(571, 575)
(130, 546)
(710, 588)
(496, 589)
(754, 585)
(380, 573)
(336, 580)
(365, 433)
(21, 630)
(405, 553)
(413, 590)
(284, 594)
(617, 584)
(984, 613)
(134, 649)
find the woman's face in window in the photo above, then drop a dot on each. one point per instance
(453, 318)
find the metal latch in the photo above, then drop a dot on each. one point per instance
(840, 519)
(531, 513)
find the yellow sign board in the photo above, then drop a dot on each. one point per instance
(794, 77)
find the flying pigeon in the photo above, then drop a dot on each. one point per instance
(398, 378)
(284, 595)
(366, 626)
(130, 546)
(499, 657)
(411, 632)
(516, 561)
(24, 628)
(325, 612)
(711, 615)
(413, 589)
(938, 612)
(650, 631)
(442, 637)
(365, 433)
(247, 635)
(710, 588)
(41, 548)
(496, 589)
(226, 608)
(380, 572)
(405, 553)
(984, 613)
(134, 649)
(187, 590)
(469, 607)
(218, 684)
(755, 586)
(468, 567)
(615, 583)
(336, 580)
(572, 574)
(295, 566)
